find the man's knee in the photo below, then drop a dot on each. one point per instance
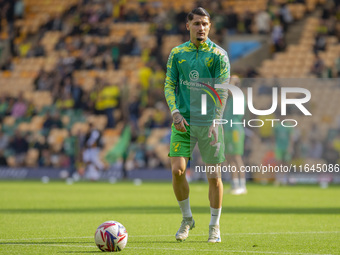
(177, 171)
(215, 182)
(178, 166)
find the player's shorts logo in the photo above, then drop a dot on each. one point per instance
(194, 75)
(176, 147)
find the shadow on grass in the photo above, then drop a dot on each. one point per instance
(81, 252)
(175, 210)
(43, 243)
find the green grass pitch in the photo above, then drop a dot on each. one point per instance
(57, 218)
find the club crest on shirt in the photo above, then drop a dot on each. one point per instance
(208, 61)
(176, 147)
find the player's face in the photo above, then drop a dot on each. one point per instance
(199, 28)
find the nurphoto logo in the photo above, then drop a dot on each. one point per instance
(239, 104)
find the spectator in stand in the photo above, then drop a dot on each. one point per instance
(231, 21)
(160, 118)
(320, 43)
(4, 140)
(71, 149)
(4, 106)
(160, 32)
(107, 101)
(318, 66)
(8, 9)
(92, 145)
(38, 50)
(336, 143)
(283, 149)
(181, 17)
(19, 145)
(219, 21)
(19, 8)
(39, 143)
(44, 82)
(248, 21)
(330, 154)
(51, 121)
(77, 95)
(326, 12)
(127, 43)
(66, 101)
(45, 159)
(337, 68)
(115, 55)
(315, 149)
(7, 65)
(24, 48)
(251, 73)
(278, 37)
(134, 110)
(3, 161)
(322, 28)
(286, 17)
(145, 74)
(56, 24)
(157, 84)
(263, 22)
(19, 108)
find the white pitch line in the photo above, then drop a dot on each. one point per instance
(223, 234)
(46, 238)
(173, 249)
(269, 233)
(47, 244)
(232, 251)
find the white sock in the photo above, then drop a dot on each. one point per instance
(215, 216)
(185, 207)
(243, 183)
(235, 184)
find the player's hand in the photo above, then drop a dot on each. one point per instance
(213, 130)
(179, 122)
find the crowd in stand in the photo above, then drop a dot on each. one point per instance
(329, 26)
(122, 106)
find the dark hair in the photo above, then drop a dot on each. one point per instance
(198, 11)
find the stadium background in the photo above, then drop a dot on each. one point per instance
(61, 60)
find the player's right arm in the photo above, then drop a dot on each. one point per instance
(171, 82)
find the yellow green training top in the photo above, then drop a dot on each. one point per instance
(193, 71)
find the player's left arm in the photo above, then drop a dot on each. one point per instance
(222, 76)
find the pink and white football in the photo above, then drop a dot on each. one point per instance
(111, 236)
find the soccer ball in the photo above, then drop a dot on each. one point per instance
(111, 236)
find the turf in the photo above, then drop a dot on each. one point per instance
(57, 218)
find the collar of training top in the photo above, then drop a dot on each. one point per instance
(203, 46)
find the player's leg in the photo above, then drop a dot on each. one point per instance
(235, 152)
(179, 181)
(180, 153)
(181, 190)
(241, 175)
(213, 156)
(215, 186)
(280, 156)
(215, 198)
(180, 184)
(235, 183)
(229, 139)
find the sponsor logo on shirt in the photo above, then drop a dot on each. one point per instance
(194, 75)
